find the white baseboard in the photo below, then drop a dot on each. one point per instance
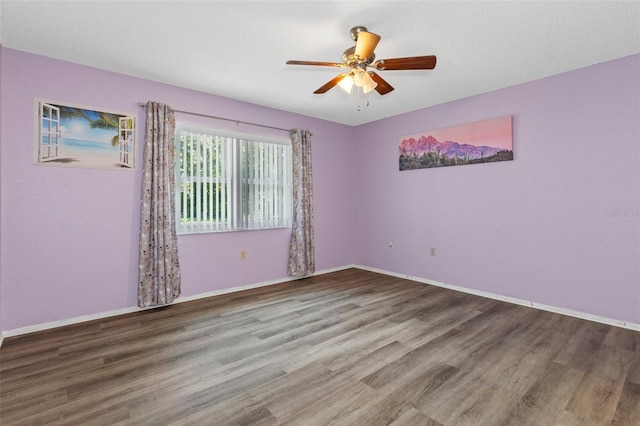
(85, 318)
(128, 310)
(68, 321)
(543, 307)
(258, 285)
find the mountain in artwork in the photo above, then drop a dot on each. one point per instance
(450, 149)
(428, 152)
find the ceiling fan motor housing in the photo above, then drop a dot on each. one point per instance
(349, 57)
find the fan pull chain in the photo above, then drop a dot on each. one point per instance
(366, 98)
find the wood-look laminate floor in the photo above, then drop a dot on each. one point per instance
(348, 348)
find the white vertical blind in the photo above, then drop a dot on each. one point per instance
(266, 180)
(196, 176)
(228, 183)
(219, 193)
(211, 212)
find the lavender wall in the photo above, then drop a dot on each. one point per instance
(539, 228)
(69, 236)
(559, 225)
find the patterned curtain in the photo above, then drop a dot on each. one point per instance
(301, 252)
(159, 269)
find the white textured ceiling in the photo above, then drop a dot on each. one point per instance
(238, 49)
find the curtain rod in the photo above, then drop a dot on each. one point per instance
(142, 105)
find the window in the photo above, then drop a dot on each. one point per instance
(231, 182)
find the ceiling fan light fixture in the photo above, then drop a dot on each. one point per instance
(360, 77)
(369, 86)
(346, 83)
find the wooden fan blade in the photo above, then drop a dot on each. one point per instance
(410, 63)
(331, 83)
(322, 64)
(365, 44)
(383, 87)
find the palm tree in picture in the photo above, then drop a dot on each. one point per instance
(96, 119)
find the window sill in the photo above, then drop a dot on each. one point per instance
(222, 231)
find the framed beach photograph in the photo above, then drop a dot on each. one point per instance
(486, 141)
(74, 136)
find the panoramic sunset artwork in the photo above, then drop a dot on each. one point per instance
(484, 141)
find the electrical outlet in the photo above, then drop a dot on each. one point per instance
(390, 245)
(243, 255)
(432, 251)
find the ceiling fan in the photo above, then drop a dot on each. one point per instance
(360, 57)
